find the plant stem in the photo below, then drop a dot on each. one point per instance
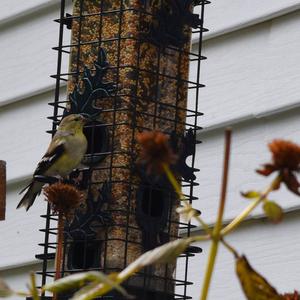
(245, 213)
(34, 291)
(182, 198)
(22, 294)
(230, 248)
(218, 225)
(59, 248)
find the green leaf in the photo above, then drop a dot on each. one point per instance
(95, 279)
(273, 211)
(163, 254)
(86, 292)
(94, 290)
(70, 282)
(5, 290)
(99, 284)
(250, 194)
(75, 281)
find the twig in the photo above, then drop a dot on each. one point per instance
(245, 213)
(59, 248)
(2, 189)
(230, 248)
(34, 291)
(182, 198)
(218, 225)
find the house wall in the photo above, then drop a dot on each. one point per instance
(252, 79)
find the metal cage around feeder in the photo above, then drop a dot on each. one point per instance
(129, 72)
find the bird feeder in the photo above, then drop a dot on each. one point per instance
(128, 71)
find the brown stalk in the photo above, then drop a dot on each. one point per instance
(59, 248)
(2, 189)
(218, 226)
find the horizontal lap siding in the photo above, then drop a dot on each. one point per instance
(20, 231)
(12, 9)
(251, 73)
(249, 151)
(23, 138)
(223, 16)
(18, 278)
(26, 59)
(273, 250)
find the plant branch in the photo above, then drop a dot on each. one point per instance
(181, 196)
(34, 291)
(218, 225)
(230, 248)
(245, 213)
(59, 248)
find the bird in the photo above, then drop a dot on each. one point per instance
(64, 153)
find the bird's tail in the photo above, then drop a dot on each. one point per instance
(34, 189)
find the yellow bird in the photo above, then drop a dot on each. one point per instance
(64, 154)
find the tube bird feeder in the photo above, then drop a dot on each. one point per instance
(129, 63)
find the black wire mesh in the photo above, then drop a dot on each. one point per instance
(142, 88)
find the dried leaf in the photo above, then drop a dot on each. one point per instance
(5, 290)
(273, 211)
(250, 194)
(291, 182)
(187, 212)
(294, 296)
(255, 287)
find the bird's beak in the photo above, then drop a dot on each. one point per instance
(85, 119)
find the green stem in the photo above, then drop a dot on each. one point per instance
(34, 291)
(245, 213)
(182, 198)
(201, 238)
(218, 226)
(230, 248)
(59, 249)
(22, 294)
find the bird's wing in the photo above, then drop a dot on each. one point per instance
(54, 152)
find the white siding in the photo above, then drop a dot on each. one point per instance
(249, 151)
(20, 232)
(252, 71)
(12, 9)
(223, 16)
(19, 277)
(27, 59)
(273, 251)
(253, 83)
(25, 140)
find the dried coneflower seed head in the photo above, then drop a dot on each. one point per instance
(155, 150)
(285, 154)
(286, 161)
(63, 198)
(294, 296)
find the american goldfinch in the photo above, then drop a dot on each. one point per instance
(64, 154)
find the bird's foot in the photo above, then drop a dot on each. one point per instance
(46, 179)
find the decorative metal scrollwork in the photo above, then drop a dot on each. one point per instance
(82, 100)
